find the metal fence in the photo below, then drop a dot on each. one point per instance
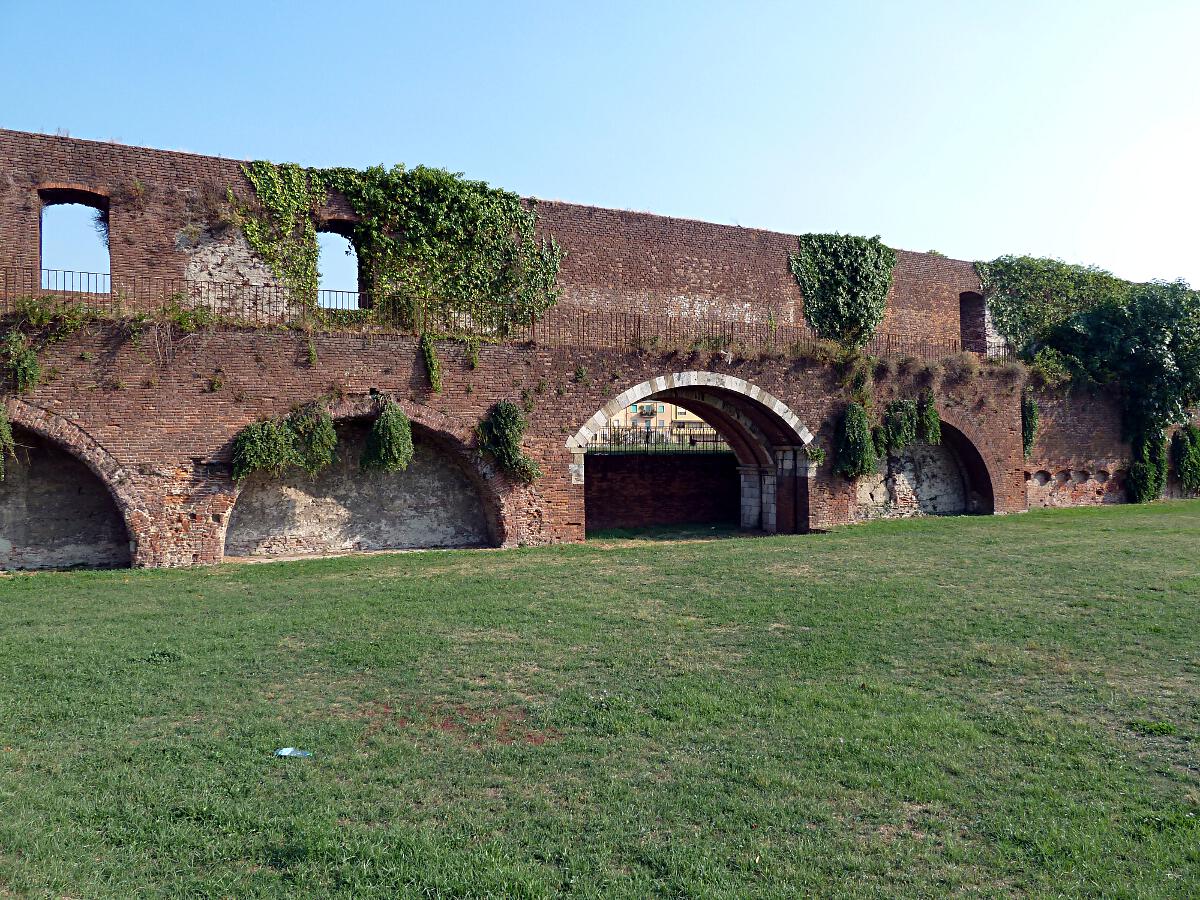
(563, 325)
(632, 439)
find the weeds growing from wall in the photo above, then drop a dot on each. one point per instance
(855, 450)
(433, 363)
(1030, 416)
(499, 435)
(929, 423)
(305, 439)
(8, 448)
(845, 280)
(389, 446)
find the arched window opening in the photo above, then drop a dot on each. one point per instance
(338, 281)
(75, 242)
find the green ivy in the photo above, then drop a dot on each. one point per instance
(389, 446)
(1030, 415)
(281, 226)
(433, 363)
(500, 434)
(305, 439)
(814, 454)
(1028, 296)
(1185, 447)
(20, 361)
(899, 425)
(1148, 472)
(845, 280)
(929, 423)
(855, 450)
(428, 234)
(264, 446)
(8, 448)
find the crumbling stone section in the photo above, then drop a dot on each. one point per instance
(922, 479)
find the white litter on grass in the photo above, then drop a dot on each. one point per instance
(293, 751)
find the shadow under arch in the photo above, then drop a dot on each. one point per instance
(764, 434)
(452, 443)
(68, 438)
(980, 490)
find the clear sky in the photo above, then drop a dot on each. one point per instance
(1068, 128)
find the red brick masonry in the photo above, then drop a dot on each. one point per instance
(144, 417)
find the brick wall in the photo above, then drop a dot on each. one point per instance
(616, 260)
(638, 490)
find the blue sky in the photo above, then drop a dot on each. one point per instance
(1067, 129)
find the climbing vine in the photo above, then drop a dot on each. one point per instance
(280, 226)
(845, 280)
(855, 449)
(1030, 415)
(304, 439)
(1185, 448)
(389, 446)
(424, 237)
(1028, 296)
(433, 363)
(1148, 472)
(929, 423)
(499, 435)
(8, 448)
(899, 425)
(20, 361)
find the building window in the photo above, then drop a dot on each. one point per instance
(74, 241)
(338, 282)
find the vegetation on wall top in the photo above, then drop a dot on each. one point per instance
(423, 234)
(1083, 324)
(845, 280)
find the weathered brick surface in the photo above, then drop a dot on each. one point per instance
(637, 490)
(154, 418)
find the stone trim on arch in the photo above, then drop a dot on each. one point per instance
(74, 440)
(578, 442)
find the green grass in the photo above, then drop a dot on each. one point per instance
(979, 706)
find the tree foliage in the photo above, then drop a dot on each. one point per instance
(845, 280)
(1028, 296)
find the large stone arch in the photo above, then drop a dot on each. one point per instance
(764, 433)
(452, 440)
(77, 443)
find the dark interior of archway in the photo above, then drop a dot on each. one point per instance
(978, 482)
(436, 502)
(663, 478)
(55, 513)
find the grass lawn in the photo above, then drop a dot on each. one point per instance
(982, 706)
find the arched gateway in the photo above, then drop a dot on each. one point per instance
(766, 436)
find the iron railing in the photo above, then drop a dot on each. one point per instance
(564, 325)
(632, 439)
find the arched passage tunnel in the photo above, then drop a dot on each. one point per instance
(765, 437)
(55, 513)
